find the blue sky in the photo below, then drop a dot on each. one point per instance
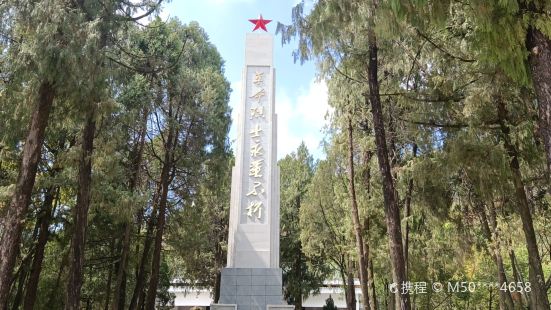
(301, 102)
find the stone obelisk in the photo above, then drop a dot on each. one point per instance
(252, 278)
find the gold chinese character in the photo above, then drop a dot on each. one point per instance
(259, 94)
(256, 168)
(257, 112)
(254, 191)
(256, 150)
(255, 131)
(255, 207)
(258, 79)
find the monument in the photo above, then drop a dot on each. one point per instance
(252, 279)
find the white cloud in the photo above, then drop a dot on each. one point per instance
(287, 140)
(313, 106)
(302, 120)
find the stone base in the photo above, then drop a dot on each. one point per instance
(251, 289)
(280, 307)
(222, 307)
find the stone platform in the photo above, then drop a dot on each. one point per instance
(251, 289)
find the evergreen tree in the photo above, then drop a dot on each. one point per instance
(301, 274)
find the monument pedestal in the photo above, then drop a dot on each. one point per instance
(251, 289)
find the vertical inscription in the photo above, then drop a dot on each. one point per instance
(257, 144)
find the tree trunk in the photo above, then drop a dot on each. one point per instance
(217, 281)
(367, 253)
(538, 295)
(36, 267)
(505, 302)
(371, 280)
(539, 48)
(45, 216)
(156, 256)
(298, 268)
(356, 220)
(80, 214)
(119, 293)
(367, 172)
(21, 275)
(392, 152)
(350, 287)
(220, 259)
(370, 275)
(373, 292)
(119, 301)
(408, 214)
(518, 278)
(163, 199)
(392, 210)
(109, 277)
(15, 216)
(489, 228)
(390, 299)
(140, 277)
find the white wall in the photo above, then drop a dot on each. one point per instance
(191, 297)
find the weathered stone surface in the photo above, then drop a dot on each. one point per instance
(258, 301)
(242, 271)
(228, 280)
(274, 290)
(231, 299)
(228, 290)
(243, 300)
(259, 290)
(223, 307)
(275, 300)
(249, 291)
(273, 280)
(243, 280)
(279, 307)
(259, 271)
(244, 290)
(258, 280)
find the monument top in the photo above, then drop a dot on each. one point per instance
(259, 49)
(260, 23)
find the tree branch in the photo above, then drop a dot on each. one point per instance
(348, 77)
(128, 17)
(424, 99)
(438, 47)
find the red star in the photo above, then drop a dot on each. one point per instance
(260, 23)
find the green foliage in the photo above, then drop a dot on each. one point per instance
(143, 81)
(444, 68)
(302, 274)
(198, 238)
